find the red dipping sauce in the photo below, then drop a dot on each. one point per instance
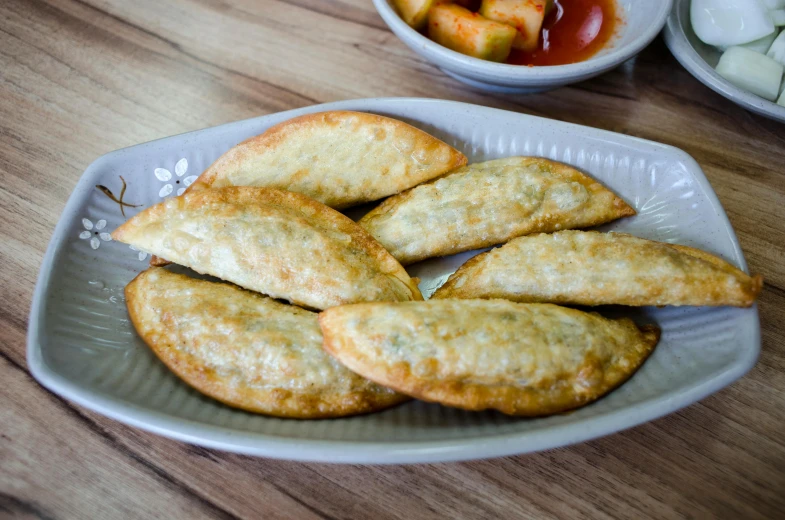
(574, 30)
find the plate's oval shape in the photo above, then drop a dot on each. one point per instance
(521, 359)
(246, 350)
(340, 158)
(81, 345)
(279, 243)
(488, 203)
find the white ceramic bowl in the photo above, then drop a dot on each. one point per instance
(643, 20)
(700, 59)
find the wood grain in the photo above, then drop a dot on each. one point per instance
(79, 78)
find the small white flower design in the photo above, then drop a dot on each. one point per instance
(164, 175)
(142, 255)
(88, 232)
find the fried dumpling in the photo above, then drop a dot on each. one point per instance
(591, 268)
(275, 242)
(521, 359)
(339, 158)
(246, 350)
(489, 203)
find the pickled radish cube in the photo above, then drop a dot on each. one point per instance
(470, 33)
(777, 49)
(762, 45)
(751, 71)
(414, 12)
(526, 16)
(730, 22)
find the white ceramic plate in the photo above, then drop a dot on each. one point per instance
(700, 59)
(81, 345)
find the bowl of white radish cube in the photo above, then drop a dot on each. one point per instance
(735, 47)
(520, 46)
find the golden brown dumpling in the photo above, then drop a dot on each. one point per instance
(339, 158)
(245, 349)
(489, 203)
(521, 359)
(591, 268)
(275, 242)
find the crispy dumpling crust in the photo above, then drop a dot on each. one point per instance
(488, 203)
(246, 350)
(591, 268)
(279, 243)
(340, 158)
(521, 359)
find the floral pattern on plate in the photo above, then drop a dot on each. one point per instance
(164, 175)
(93, 232)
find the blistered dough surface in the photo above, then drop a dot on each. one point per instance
(278, 243)
(524, 359)
(591, 268)
(340, 158)
(489, 203)
(246, 350)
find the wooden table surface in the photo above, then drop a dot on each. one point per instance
(79, 78)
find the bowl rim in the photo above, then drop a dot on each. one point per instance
(456, 61)
(677, 42)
